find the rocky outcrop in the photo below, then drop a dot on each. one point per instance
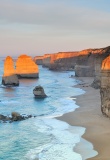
(38, 60)
(15, 116)
(9, 77)
(39, 92)
(105, 87)
(104, 52)
(26, 67)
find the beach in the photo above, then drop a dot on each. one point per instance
(89, 115)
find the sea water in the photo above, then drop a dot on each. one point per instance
(42, 137)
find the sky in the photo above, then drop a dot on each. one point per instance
(37, 27)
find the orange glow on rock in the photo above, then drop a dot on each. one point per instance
(25, 65)
(106, 64)
(61, 55)
(9, 67)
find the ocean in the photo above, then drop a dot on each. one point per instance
(43, 137)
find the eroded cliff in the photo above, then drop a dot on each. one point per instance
(38, 60)
(105, 87)
(9, 76)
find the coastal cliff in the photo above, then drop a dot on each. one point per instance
(85, 63)
(46, 60)
(105, 87)
(38, 60)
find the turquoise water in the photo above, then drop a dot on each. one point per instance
(43, 137)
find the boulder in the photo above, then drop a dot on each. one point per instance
(39, 92)
(9, 77)
(105, 87)
(26, 67)
(4, 118)
(16, 116)
(96, 83)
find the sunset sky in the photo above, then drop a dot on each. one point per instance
(36, 27)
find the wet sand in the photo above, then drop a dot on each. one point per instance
(89, 116)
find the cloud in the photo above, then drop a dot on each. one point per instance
(55, 14)
(33, 26)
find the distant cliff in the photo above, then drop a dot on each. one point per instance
(38, 60)
(85, 63)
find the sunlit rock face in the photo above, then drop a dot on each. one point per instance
(9, 76)
(98, 59)
(91, 59)
(38, 60)
(105, 87)
(63, 61)
(26, 67)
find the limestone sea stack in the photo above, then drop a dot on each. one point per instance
(39, 92)
(26, 67)
(9, 77)
(105, 87)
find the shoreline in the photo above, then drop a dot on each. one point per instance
(89, 115)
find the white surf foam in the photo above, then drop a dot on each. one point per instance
(61, 145)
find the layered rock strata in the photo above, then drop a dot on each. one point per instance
(38, 60)
(105, 87)
(86, 63)
(9, 77)
(68, 60)
(26, 67)
(46, 60)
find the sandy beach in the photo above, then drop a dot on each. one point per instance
(89, 116)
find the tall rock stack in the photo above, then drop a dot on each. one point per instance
(26, 67)
(105, 87)
(9, 76)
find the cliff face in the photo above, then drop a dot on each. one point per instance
(86, 63)
(26, 68)
(63, 61)
(46, 60)
(9, 76)
(38, 60)
(103, 53)
(9, 67)
(68, 60)
(105, 87)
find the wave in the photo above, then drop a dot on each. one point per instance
(61, 144)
